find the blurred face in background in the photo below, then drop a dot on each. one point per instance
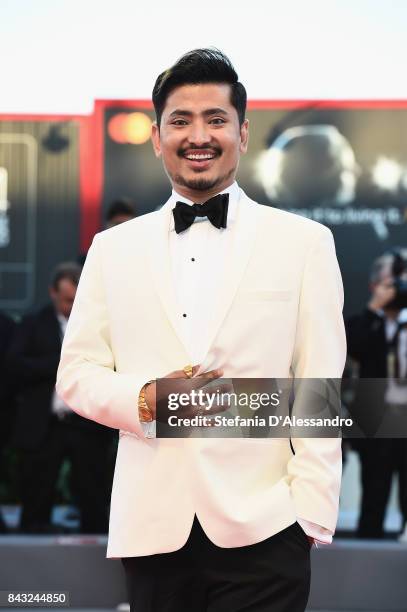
(118, 219)
(200, 139)
(63, 297)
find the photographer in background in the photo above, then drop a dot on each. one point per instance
(377, 341)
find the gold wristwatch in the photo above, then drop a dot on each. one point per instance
(145, 414)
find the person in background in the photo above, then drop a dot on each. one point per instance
(7, 328)
(46, 431)
(120, 211)
(377, 342)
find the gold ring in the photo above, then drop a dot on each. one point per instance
(188, 371)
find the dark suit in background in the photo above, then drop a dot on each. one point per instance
(381, 457)
(45, 439)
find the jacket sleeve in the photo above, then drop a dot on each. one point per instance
(320, 352)
(87, 380)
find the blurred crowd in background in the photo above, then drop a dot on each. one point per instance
(49, 455)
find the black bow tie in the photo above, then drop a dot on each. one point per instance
(216, 209)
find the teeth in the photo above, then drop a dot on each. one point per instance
(200, 156)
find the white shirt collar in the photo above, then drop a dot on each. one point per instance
(401, 319)
(234, 196)
(62, 320)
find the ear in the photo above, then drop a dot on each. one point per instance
(155, 139)
(244, 136)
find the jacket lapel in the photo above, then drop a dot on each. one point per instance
(160, 264)
(234, 267)
(238, 256)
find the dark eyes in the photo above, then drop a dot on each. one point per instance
(215, 121)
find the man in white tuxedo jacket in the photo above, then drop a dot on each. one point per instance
(240, 290)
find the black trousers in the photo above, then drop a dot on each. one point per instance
(271, 576)
(380, 458)
(88, 453)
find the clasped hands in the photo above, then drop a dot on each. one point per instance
(185, 384)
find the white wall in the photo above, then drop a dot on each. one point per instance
(59, 55)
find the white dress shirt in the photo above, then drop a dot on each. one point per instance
(197, 256)
(390, 328)
(58, 406)
(396, 393)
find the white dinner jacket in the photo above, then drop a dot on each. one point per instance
(278, 314)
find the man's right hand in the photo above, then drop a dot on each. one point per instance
(196, 382)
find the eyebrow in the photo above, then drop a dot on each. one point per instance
(206, 113)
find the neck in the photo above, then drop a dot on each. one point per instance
(197, 196)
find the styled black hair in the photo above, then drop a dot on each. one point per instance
(122, 206)
(69, 270)
(196, 67)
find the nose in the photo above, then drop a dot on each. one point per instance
(198, 134)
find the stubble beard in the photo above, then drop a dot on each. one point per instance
(202, 184)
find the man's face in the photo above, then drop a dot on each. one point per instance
(63, 297)
(200, 139)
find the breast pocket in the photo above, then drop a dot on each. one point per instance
(265, 295)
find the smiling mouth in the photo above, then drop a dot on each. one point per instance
(200, 156)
